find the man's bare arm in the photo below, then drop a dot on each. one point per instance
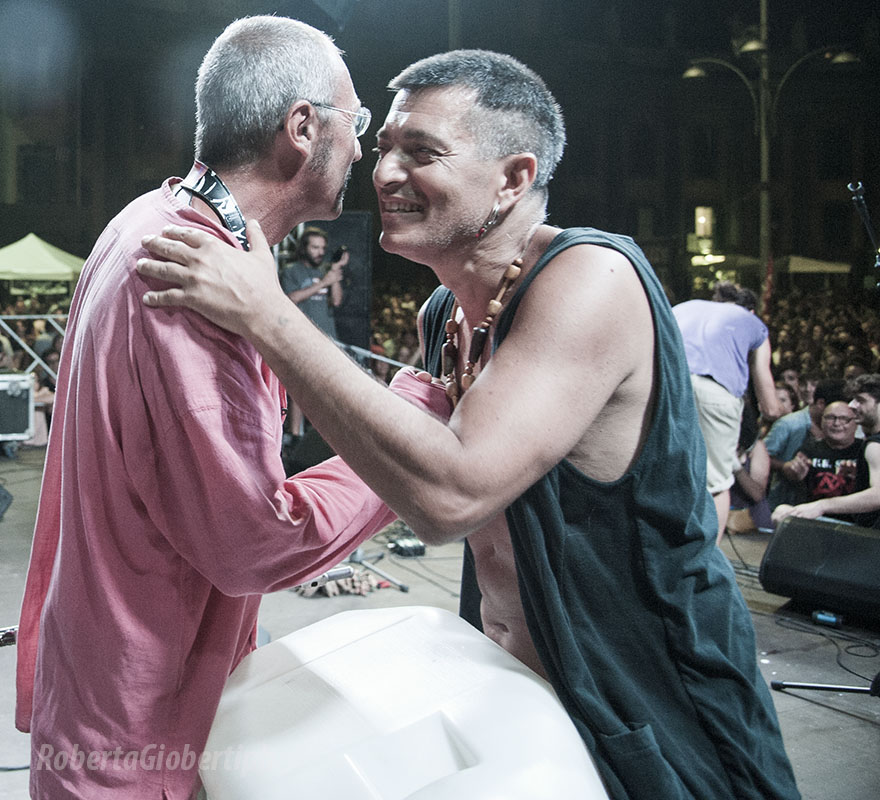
(331, 278)
(569, 351)
(762, 378)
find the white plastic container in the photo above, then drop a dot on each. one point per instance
(404, 703)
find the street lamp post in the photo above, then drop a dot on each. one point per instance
(765, 99)
(764, 107)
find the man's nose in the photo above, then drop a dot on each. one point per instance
(388, 171)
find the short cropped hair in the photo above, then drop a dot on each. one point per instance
(515, 111)
(248, 80)
(869, 383)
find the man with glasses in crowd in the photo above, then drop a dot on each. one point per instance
(841, 473)
(164, 512)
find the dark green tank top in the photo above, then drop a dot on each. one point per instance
(634, 611)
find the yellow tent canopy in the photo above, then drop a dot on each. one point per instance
(32, 259)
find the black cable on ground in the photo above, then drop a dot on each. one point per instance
(856, 643)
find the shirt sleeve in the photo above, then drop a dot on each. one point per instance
(777, 436)
(214, 483)
(759, 332)
(780, 440)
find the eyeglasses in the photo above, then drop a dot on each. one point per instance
(845, 420)
(362, 117)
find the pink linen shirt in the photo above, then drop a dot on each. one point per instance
(164, 515)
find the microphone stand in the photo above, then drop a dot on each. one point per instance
(873, 689)
(858, 198)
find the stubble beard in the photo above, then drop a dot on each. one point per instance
(424, 247)
(319, 167)
(340, 196)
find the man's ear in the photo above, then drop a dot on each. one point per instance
(518, 176)
(300, 128)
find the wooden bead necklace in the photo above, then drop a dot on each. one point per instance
(454, 388)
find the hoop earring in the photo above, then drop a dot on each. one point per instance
(491, 220)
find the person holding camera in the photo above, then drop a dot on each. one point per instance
(315, 289)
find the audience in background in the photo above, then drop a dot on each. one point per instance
(862, 505)
(820, 343)
(786, 437)
(826, 467)
(830, 468)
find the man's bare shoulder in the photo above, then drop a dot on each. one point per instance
(602, 335)
(592, 291)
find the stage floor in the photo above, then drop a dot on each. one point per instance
(832, 738)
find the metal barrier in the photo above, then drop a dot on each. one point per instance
(361, 355)
(54, 320)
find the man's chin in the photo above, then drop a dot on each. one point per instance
(397, 246)
(389, 243)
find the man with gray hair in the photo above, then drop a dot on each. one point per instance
(164, 512)
(572, 460)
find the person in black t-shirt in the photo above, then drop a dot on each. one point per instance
(841, 474)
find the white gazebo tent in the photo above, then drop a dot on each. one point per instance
(31, 260)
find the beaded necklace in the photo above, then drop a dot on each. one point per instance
(454, 388)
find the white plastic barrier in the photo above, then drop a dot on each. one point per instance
(392, 704)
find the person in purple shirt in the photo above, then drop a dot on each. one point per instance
(726, 345)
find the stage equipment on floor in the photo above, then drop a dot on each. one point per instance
(824, 565)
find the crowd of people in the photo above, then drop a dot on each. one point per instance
(832, 334)
(394, 328)
(41, 337)
(825, 362)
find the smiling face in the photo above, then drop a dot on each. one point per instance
(435, 190)
(839, 424)
(865, 407)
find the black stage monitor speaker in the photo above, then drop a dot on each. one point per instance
(826, 565)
